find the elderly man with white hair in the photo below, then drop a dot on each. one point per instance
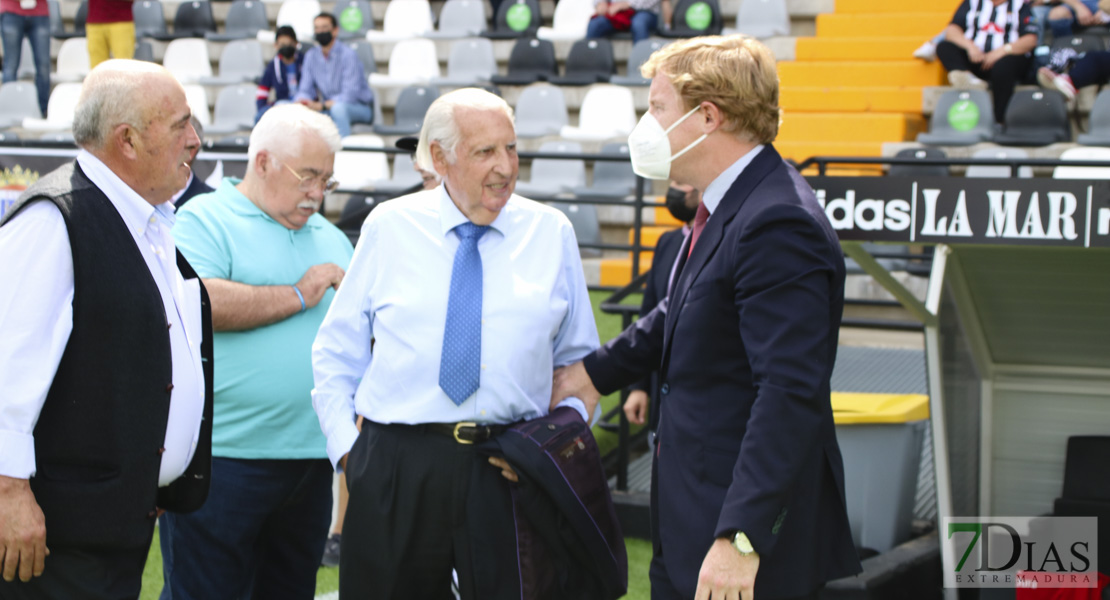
(270, 262)
(105, 380)
(471, 296)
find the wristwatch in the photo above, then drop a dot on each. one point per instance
(742, 544)
(1009, 48)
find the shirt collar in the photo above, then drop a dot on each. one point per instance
(136, 212)
(241, 205)
(715, 191)
(451, 217)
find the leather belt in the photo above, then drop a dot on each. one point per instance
(466, 432)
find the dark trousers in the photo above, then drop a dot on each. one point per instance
(1002, 77)
(83, 575)
(421, 504)
(261, 533)
(1092, 69)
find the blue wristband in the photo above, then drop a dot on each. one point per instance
(300, 297)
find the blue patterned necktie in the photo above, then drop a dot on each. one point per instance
(460, 363)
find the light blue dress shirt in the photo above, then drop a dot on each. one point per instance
(339, 76)
(536, 316)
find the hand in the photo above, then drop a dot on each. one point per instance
(601, 9)
(616, 7)
(635, 407)
(573, 380)
(993, 57)
(22, 531)
(975, 55)
(727, 574)
(316, 280)
(1084, 15)
(506, 469)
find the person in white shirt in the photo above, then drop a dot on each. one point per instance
(458, 304)
(105, 370)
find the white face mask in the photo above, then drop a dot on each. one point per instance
(650, 148)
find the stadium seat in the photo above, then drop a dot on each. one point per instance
(413, 62)
(361, 170)
(59, 109)
(365, 52)
(607, 112)
(762, 19)
(403, 177)
(471, 62)
(551, 176)
(404, 19)
(919, 170)
(460, 19)
(1079, 42)
(26, 69)
(197, 99)
(149, 18)
(531, 60)
(589, 62)
(693, 18)
(297, 14)
(7, 136)
(611, 179)
(235, 110)
(541, 110)
(1098, 125)
(73, 61)
(1035, 118)
(408, 114)
(514, 19)
(999, 171)
(640, 53)
(355, 19)
(240, 62)
(57, 28)
(587, 227)
(57, 25)
(188, 60)
(961, 118)
(18, 100)
(193, 19)
(245, 18)
(57, 137)
(569, 22)
(1084, 153)
(143, 51)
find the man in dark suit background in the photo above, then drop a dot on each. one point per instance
(748, 492)
(105, 369)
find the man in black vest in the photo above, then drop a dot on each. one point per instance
(105, 370)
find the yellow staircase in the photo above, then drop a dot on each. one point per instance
(850, 88)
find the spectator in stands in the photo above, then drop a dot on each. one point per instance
(639, 16)
(333, 80)
(1040, 8)
(682, 202)
(28, 19)
(109, 29)
(196, 186)
(282, 76)
(428, 179)
(269, 262)
(1093, 68)
(1063, 17)
(994, 47)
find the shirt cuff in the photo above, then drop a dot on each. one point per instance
(580, 406)
(17, 455)
(340, 442)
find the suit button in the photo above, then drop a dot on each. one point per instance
(664, 389)
(169, 387)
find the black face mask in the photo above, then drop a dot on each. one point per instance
(676, 203)
(287, 51)
(324, 38)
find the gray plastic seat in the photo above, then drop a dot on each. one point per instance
(587, 227)
(514, 19)
(234, 111)
(541, 110)
(999, 171)
(612, 179)
(762, 19)
(1098, 126)
(589, 61)
(365, 52)
(355, 19)
(693, 18)
(471, 62)
(961, 118)
(403, 177)
(7, 136)
(408, 113)
(919, 170)
(640, 53)
(531, 60)
(18, 99)
(1035, 118)
(150, 20)
(240, 62)
(58, 30)
(245, 18)
(143, 51)
(193, 19)
(551, 176)
(460, 19)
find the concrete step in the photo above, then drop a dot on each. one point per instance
(904, 99)
(923, 25)
(861, 73)
(885, 6)
(856, 48)
(857, 127)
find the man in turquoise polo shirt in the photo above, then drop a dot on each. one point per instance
(270, 263)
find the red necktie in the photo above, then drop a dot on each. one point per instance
(699, 223)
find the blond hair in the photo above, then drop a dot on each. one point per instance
(736, 73)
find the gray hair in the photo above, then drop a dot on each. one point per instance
(289, 121)
(108, 99)
(440, 125)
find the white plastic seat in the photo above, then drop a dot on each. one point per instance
(297, 14)
(240, 62)
(1091, 153)
(569, 21)
(541, 110)
(551, 176)
(607, 112)
(73, 61)
(999, 171)
(355, 170)
(413, 62)
(18, 100)
(235, 110)
(404, 19)
(460, 19)
(197, 99)
(59, 109)
(188, 60)
(762, 19)
(471, 62)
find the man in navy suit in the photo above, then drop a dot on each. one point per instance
(748, 484)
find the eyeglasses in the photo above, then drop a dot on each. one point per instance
(308, 184)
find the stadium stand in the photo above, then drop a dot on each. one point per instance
(763, 18)
(515, 18)
(589, 61)
(245, 18)
(1001, 171)
(404, 20)
(607, 112)
(412, 105)
(18, 101)
(541, 111)
(961, 118)
(240, 62)
(532, 60)
(355, 17)
(460, 19)
(550, 177)
(471, 62)
(1035, 118)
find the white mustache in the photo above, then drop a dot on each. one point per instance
(309, 204)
